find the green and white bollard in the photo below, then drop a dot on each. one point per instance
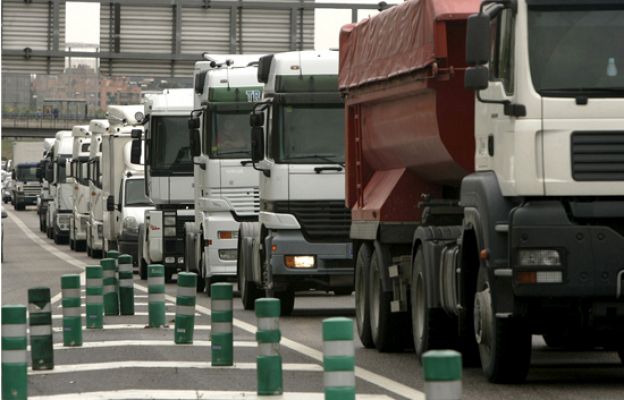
(111, 298)
(72, 321)
(268, 336)
(14, 356)
(156, 295)
(95, 297)
(338, 359)
(185, 308)
(40, 322)
(443, 374)
(126, 285)
(222, 339)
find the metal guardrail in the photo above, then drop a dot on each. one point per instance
(43, 123)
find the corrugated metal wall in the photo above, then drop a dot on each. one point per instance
(205, 30)
(30, 25)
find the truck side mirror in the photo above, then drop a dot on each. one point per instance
(119, 207)
(478, 39)
(477, 78)
(136, 133)
(13, 175)
(194, 136)
(256, 119)
(257, 144)
(135, 152)
(110, 203)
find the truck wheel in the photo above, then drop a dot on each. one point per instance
(287, 301)
(57, 238)
(168, 275)
(345, 291)
(362, 296)
(246, 286)
(621, 353)
(384, 328)
(432, 328)
(504, 343)
(142, 269)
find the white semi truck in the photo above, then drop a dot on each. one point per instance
(226, 185)
(80, 179)
(45, 197)
(60, 208)
(115, 164)
(26, 185)
(169, 180)
(301, 241)
(95, 205)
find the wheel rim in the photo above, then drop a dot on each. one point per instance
(483, 323)
(360, 288)
(419, 311)
(374, 298)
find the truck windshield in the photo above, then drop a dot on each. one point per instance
(135, 193)
(26, 174)
(310, 134)
(230, 135)
(169, 149)
(577, 52)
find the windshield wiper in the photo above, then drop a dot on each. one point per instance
(584, 90)
(228, 153)
(318, 157)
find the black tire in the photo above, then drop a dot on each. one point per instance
(169, 275)
(432, 328)
(287, 302)
(142, 269)
(247, 287)
(49, 232)
(72, 244)
(362, 296)
(343, 291)
(57, 238)
(620, 352)
(80, 245)
(89, 252)
(40, 223)
(201, 284)
(504, 343)
(385, 329)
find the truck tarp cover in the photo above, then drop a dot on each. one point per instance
(370, 51)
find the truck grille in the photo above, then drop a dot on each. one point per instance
(32, 190)
(246, 201)
(321, 221)
(180, 221)
(598, 156)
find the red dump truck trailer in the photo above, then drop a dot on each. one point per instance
(449, 254)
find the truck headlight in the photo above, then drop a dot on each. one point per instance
(299, 261)
(169, 220)
(130, 224)
(170, 231)
(539, 258)
(228, 254)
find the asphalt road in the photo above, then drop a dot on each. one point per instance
(126, 360)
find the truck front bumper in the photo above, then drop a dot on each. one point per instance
(576, 257)
(80, 222)
(97, 241)
(26, 199)
(333, 264)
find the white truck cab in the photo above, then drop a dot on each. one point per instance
(226, 185)
(301, 241)
(169, 180)
(60, 208)
(95, 205)
(79, 177)
(115, 163)
(46, 174)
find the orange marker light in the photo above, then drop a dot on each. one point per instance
(526, 277)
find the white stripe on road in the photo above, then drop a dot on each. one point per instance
(140, 314)
(362, 373)
(75, 368)
(145, 343)
(135, 304)
(116, 327)
(193, 395)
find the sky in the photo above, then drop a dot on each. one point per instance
(83, 22)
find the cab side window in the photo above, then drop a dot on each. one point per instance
(502, 50)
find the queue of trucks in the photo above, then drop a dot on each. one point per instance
(447, 164)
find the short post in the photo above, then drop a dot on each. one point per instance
(111, 298)
(185, 308)
(338, 359)
(156, 295)
(40, 322)
(222, 340)
(268, 336)
(114, 254)
(72, 320)
(94, 297)
(126, 285)
(14, 358)
(443, 374)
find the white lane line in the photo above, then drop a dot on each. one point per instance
(362, 373)
(193, 395)
(75, 368)
(116, 327)
(138, 314)
(145, 343)
(135, 304)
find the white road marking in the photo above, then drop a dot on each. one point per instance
(145, 343)
(75, 368)
(193, 395)
(139, 314)
(115, 327)
(135, 304)
(362, 373)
